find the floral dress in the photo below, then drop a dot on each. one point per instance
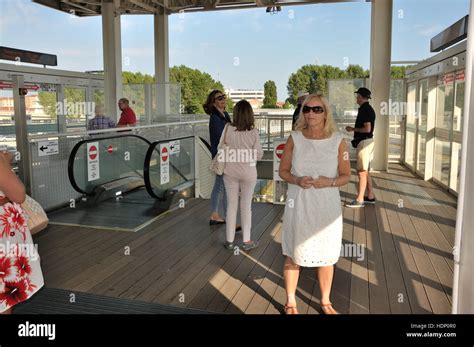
(20, 271)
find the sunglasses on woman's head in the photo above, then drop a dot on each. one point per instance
(315, 109)
(220, 98)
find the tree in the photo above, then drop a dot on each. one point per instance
(195, 87)
(398, 71)
(270, 91)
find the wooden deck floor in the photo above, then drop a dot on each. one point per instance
(406, 265)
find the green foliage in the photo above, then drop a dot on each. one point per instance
(314, 78)
(398, 71)
(270, 91)
(287, 105)
(195, 87)
(48, 101)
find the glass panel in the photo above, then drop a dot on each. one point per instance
(117, 158)
(455, 166)
(445, 99)
(41, 109)
(397, 112)
(410, 148)
(135, 93)
(7, 124)
(422, 123)
(459, 102)
(75, 108)
(411, 125)
(181, 165)
(442, 161)
(173, 109)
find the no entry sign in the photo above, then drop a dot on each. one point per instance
(93, 172)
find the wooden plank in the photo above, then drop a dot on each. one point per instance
(392, 267)
(416, 293)
(234, 279)
(212, 242)
(212, 288)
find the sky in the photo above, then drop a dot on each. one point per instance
(241, 48)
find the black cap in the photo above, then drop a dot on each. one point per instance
(364, 92)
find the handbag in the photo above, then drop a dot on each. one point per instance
(218, 166)
(36, 218)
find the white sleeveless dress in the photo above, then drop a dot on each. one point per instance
(20, 270)
(312, 222)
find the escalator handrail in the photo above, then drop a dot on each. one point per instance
(146, 168)
(72, 156)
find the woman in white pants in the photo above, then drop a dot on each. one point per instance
(240, 172)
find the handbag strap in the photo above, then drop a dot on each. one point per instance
(225, 133)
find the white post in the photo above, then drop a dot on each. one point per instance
(111, 41)
(463, 297)
(162, 73)
(380, 57)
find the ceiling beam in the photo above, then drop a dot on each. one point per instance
(144, 6)
(84, 8)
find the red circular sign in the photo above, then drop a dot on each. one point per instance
(110, 149)
(164, 154)
(93, 152)
(279, 150)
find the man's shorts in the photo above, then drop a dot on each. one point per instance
(365, 152)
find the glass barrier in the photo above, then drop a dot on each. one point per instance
(102, 160)
(169, 164)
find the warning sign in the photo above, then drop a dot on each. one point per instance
(93, 172)
(164, 163)
(278, 145)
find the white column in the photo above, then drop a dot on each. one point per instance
(463, 297)
(111, 41)
(380, 57)
(162, 72)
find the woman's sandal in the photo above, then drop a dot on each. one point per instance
(291, 307)
(326, 308)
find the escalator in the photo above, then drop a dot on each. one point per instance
(124, 182)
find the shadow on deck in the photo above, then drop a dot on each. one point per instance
(406, 265)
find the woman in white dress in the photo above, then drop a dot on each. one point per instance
(20, 271)
(315, 163)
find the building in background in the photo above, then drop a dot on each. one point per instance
(253, 96)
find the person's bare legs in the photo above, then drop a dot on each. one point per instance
(325, 276)
(291, 273)
(370, 187)
(362, 185)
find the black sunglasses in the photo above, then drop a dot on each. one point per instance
(220, 98)
(315, 109)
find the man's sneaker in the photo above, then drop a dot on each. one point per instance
(247, 246)
(355, 204)
(228, 245)
(369, 201)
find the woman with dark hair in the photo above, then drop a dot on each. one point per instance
(215, 108)
(240, 171)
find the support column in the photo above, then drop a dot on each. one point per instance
(380, 57)
(112, 46)
(162, 73)
(21, 131)
(463, 300)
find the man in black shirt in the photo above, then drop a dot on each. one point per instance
(364, 142)
(301, 96)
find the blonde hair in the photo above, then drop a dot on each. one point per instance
(329, 124)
